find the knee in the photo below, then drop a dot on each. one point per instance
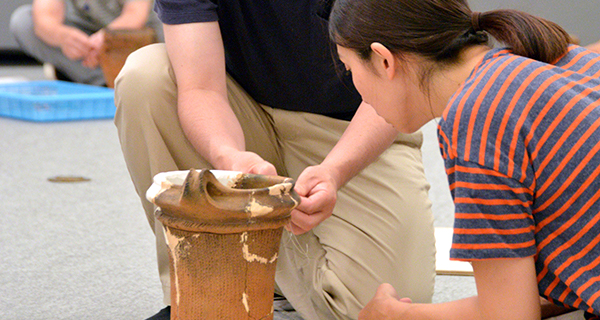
(21, 24)
(145, 90)
(144, 79)
(143, 67)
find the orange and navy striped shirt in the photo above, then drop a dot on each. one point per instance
(521, 144)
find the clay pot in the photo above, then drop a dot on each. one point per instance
(118, 44)
(223, 230)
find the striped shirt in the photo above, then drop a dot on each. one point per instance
(521, 144)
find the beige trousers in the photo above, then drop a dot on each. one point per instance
(575, 315)
(381, 229)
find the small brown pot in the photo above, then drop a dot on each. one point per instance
(118, 44)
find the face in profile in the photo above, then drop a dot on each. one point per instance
(391, 94)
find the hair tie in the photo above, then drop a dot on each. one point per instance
(475, 21)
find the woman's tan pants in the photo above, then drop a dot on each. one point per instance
(381, 229)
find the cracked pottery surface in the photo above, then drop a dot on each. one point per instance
(223, 231)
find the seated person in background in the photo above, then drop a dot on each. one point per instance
(69, 33)
(520, 137)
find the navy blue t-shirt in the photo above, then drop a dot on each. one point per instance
(277, 50)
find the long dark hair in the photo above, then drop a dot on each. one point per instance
(440, 29)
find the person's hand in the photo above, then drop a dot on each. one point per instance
(75, 43)
(250, 162)
(92, 58)
(385, 305)
(318, 194)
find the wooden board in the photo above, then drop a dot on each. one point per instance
(443, 264)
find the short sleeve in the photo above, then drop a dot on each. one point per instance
(185, 11)
(493, 215)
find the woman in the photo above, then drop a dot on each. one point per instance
(519, 135)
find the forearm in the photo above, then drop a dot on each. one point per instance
(48, 21)
(367, 136)
(197, 56)
(467, 309)
(54, 34)
(472, 308)
(506, 289)
(464, 309)
(133, 16)
(211, 126)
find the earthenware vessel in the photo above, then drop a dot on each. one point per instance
(223, 230)
(117, 45)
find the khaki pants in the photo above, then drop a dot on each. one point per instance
(575, 315)
(382, 226)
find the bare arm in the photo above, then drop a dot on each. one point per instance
(506, 288)
(197, 55)
(133, 16)
(48, 21)
(367, 136)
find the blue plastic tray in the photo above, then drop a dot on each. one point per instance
(55, 101)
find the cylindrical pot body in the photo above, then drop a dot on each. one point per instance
(223, 230)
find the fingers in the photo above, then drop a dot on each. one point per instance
(91, 60)
(387, 290)
(97, 40)
(302, 222)
(92, 57)
(318, 196)
(75, 51)
(316, 201)
(264, 168)
(294, 229)
(249, 162)
(76, 45)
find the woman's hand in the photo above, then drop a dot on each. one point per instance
(318, 193)
(385, 305)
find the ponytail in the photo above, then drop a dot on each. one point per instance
(440, 30)
(526, 35)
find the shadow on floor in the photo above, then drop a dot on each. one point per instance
(16, 58)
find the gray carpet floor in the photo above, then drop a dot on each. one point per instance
(84, 250)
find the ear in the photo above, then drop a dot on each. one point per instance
(384, 59)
